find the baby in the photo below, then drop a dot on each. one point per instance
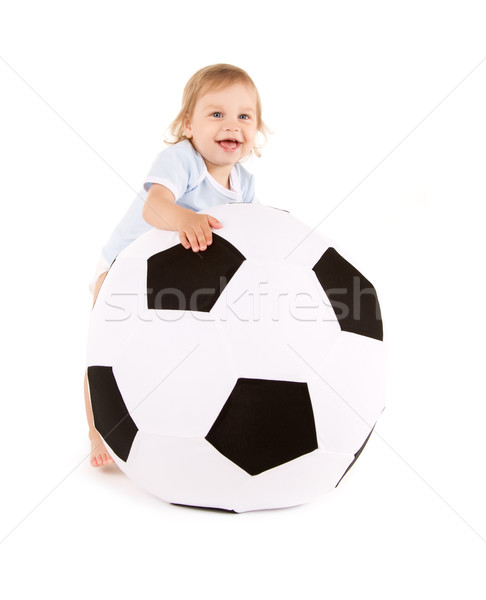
(214, 130)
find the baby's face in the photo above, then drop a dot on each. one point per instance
(223, 125)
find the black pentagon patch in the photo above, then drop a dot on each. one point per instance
(356, 456)
(264, 424)
(353, 298)
(180, 279)
(111, 417)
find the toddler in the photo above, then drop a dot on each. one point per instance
(214, 130)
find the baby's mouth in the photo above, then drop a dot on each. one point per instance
(229, 145)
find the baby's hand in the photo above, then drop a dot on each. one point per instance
(195, 231)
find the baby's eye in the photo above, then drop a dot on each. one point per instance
(244, 116)
(216, 114)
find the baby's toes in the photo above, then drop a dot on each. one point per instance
(107, 460)
(94, 461)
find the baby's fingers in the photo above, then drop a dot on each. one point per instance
(184, 241)
(204, 238)
(213, 222)
(196, 238)
(191, 236)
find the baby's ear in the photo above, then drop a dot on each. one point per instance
(187, 127)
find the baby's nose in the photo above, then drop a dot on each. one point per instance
(231, 124)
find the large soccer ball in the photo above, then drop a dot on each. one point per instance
(248, 376)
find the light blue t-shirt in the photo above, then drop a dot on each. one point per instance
(183, 171)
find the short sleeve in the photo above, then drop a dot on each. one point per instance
(179, 168)
(247, 185)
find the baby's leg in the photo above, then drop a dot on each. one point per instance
(99, 454)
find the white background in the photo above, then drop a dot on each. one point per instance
(377, 108)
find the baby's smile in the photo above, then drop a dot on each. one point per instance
(229, 145)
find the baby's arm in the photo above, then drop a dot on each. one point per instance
(161, 211)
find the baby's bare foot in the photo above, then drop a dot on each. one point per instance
(99, 454)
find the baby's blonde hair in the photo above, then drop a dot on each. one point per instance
(214, 77)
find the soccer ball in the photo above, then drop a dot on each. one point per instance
(247, 376)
